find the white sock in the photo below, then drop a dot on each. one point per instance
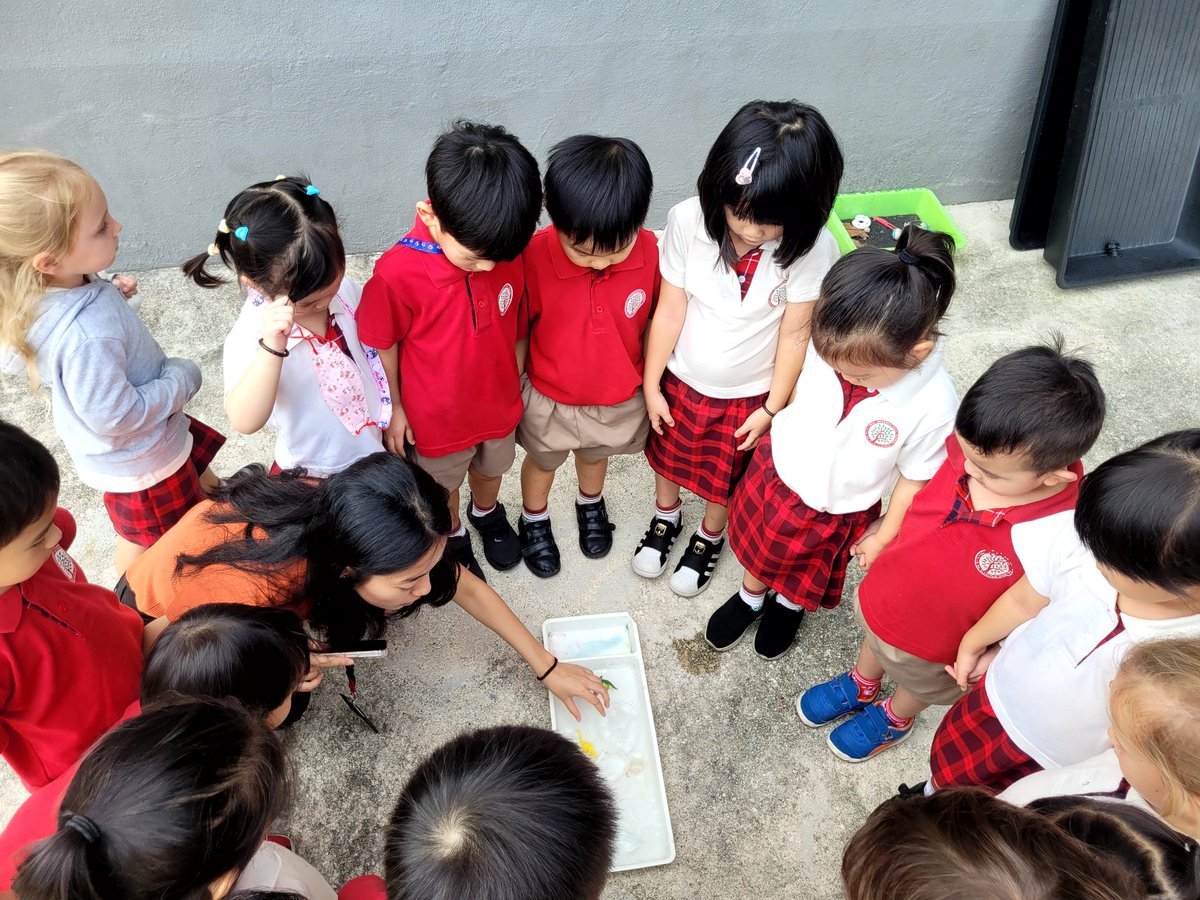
(584, 500)
(460, 531)
(786, 603)
(930, 790)
(477, 512)
(752, 600)
(703, 532)
(669, 515)
(543, 516)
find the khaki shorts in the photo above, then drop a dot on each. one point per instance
(491, 459)
(550, 431)
(925, 680)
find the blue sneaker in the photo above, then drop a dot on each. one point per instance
(865, 734)
(822, 703)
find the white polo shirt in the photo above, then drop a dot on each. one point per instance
(1049, 683)
(309, 433)
(846, 465)
(727, 346)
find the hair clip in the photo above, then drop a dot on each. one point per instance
(746, 174)
(223, 227)
(214, 250)
(281, 178)
(312, 191)
(241, 232)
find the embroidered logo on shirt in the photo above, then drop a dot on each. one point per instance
(505, 298)
(882, 434)
(993, 564)
(65, 562)
(778, 294)
(634, 302)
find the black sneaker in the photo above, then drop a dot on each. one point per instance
(538, 547)
(595, 531)
(500, 545)
(729, 624)
(904, 792)
(650, 557)
(777, 632)
(458, 548)
(696, 566)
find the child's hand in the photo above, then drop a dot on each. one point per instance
(568, 681)
(971, 665)
(659, 412)
(869, 546)
(126, 284)
(756, 425)
(398, 432)
(277, 319)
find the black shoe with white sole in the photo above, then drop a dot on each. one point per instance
(650, 557)
(696, 566)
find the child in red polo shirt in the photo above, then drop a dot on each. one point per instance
(443, 309)
(1008, 485)
(592, 281)
(70, 653)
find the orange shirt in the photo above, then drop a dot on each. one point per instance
(160, 591)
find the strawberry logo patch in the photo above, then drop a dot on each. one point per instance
(505, 298)
(881, 433)
(65, 562)
(634, 302)
(992, 564)
(778, 295)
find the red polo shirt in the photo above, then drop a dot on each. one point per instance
(70, 661)
(949, 563)
(586, 326)
(457, 334)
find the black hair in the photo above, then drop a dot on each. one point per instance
(875, 305)
(508, 813)
(256, 655)
(1036, 401)
(378, 516)
(793, 184)
(1139, 512)
(291, 244)
(163, 806)
(29, 481)
(485, 189)
(598, 190)
(1162, 859)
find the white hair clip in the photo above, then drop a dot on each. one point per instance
(746, 174)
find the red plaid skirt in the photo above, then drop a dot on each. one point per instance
(971, 747)
(785, 543)
(143, 516)
(700, 452)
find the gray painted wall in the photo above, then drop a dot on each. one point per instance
(175, 106)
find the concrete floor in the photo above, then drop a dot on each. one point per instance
(759, 806)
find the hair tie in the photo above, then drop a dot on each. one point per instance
(223, 227)
(311, 191)
(85, 826)
(241, 232)
(746, 174)
(907, 258)
(213, 249)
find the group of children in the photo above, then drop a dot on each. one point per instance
(791, 389)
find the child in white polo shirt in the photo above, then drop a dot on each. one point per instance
(740, 266)
(1043, 702)
(873, 407)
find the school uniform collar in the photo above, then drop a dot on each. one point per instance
(904, 390)
(705, 237)
(440, 270)
(11, 608)
(564, 268)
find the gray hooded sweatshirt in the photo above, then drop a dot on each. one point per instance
(116, 398)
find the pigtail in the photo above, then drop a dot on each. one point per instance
(61, 868)
(196, 268)
(930, 253)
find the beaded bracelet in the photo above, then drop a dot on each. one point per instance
(280, 353)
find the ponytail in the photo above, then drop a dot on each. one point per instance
(875, 305)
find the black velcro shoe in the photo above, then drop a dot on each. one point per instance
(650, 557)
(459, 549)
(595, 531)
(729, 624)
(500, 545)
(538, 547)
(777, 631)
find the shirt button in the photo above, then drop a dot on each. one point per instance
(742, 279)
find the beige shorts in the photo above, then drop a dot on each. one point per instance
(550, 431)
(925, 680)
(491, 459)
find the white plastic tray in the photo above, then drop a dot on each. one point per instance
(624, 743)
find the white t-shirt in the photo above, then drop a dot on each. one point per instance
(1049, 683)
(275, 868)
(846, 465)
(1099, 775)
(727, 346)
(309, 433)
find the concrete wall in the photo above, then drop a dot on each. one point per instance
(175, 106)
